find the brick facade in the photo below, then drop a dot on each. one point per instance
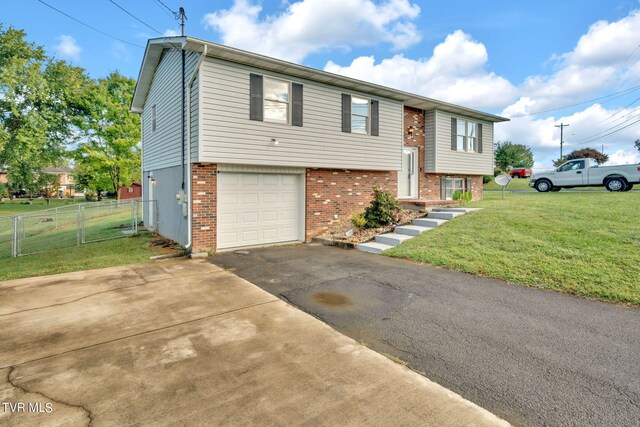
(429, 183)
(204, 185)
(332, 195)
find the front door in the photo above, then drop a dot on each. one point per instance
(571, 173)
(408, 176)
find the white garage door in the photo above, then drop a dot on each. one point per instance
(258, 209)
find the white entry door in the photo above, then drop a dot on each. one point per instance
(258, 209)
(408, 175)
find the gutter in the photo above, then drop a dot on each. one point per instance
(196, 70)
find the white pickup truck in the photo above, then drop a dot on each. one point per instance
(587, 173)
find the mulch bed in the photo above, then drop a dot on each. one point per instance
(336, 235)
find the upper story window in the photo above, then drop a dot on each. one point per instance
(360, 115)
(466, 135)
(154, 121)
(276, 100)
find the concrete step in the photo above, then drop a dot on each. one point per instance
(373, 247)
(392, 239)
(444, 215)
(464, 210)
(411, 230)
(428, 222)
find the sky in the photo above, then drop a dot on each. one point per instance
(540, 63)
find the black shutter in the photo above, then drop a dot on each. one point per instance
(443, 188)
(454, 133)
(256, 105)
(479, 137)
(346, 113)
(375, 117)
(469, 184)
(296, 104)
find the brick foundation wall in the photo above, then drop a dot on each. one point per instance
(334, 194)
(428, 183)
(204, 185)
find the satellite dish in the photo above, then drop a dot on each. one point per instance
(503, 180)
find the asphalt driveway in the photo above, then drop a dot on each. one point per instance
(533, 357)
(187, 343)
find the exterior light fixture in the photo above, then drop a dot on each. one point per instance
(411, 130)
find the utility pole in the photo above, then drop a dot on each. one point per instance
(183, 16)
(561, 126)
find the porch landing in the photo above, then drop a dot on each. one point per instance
(424, 203)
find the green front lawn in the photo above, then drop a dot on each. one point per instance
(586, 244)
(129, 250)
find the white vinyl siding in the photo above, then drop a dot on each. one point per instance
(440, 158)
(229, 136)
(162, 147)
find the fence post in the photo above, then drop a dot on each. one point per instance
(14, 240)
(135, 217)
(78, 227)
(83, 221)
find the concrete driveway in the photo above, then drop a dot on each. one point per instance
(187, 343)
(532, 357)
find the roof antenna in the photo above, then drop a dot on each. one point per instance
(183, 16)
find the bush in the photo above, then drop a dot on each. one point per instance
(467, 196)
(4, 191)
(90, 195)
(486, 179)
(358, 220)
(497, 172)
(383, 210)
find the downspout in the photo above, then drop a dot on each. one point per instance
(183, 113)
(196, 70)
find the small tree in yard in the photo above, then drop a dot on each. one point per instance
(509, 155)
(383, 210)
(48, 184)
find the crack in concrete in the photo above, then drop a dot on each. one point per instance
(26, 391)
(145, 282)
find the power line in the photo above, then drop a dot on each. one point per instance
(620, 94)
(611, 133)
(619, 111)
(135, 17)
(89, 26)
(160, 4)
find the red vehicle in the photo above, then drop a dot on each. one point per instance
(521, 173)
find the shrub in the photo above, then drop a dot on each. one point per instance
(497, 172)
(487, 179)
(4, 191)
(383, 210)
(467, 196)
(358, 220)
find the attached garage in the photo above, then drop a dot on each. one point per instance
(259, 209)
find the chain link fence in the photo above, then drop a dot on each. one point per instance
(72, 225)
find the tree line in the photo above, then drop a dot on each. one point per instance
(52, 114)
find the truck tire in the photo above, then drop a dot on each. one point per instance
(615, 184)
(543, 185)
(629, 187)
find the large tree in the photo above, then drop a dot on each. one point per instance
(509, 155)
(42, 101)
(109, 155)
(637, 144)
(583, 153)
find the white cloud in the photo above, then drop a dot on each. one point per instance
(600, 60)
(171, 33)
(309, 26)
(121, 52)
(68, 48)
(455, 73)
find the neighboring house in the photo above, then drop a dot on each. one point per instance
(134, 191)
(3, 177)
(67, 186)
(265, 151)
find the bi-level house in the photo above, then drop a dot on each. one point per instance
(240, 149)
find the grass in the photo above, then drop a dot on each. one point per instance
(523, 184)
(586, 244)
(129, 250)
(19, 206)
